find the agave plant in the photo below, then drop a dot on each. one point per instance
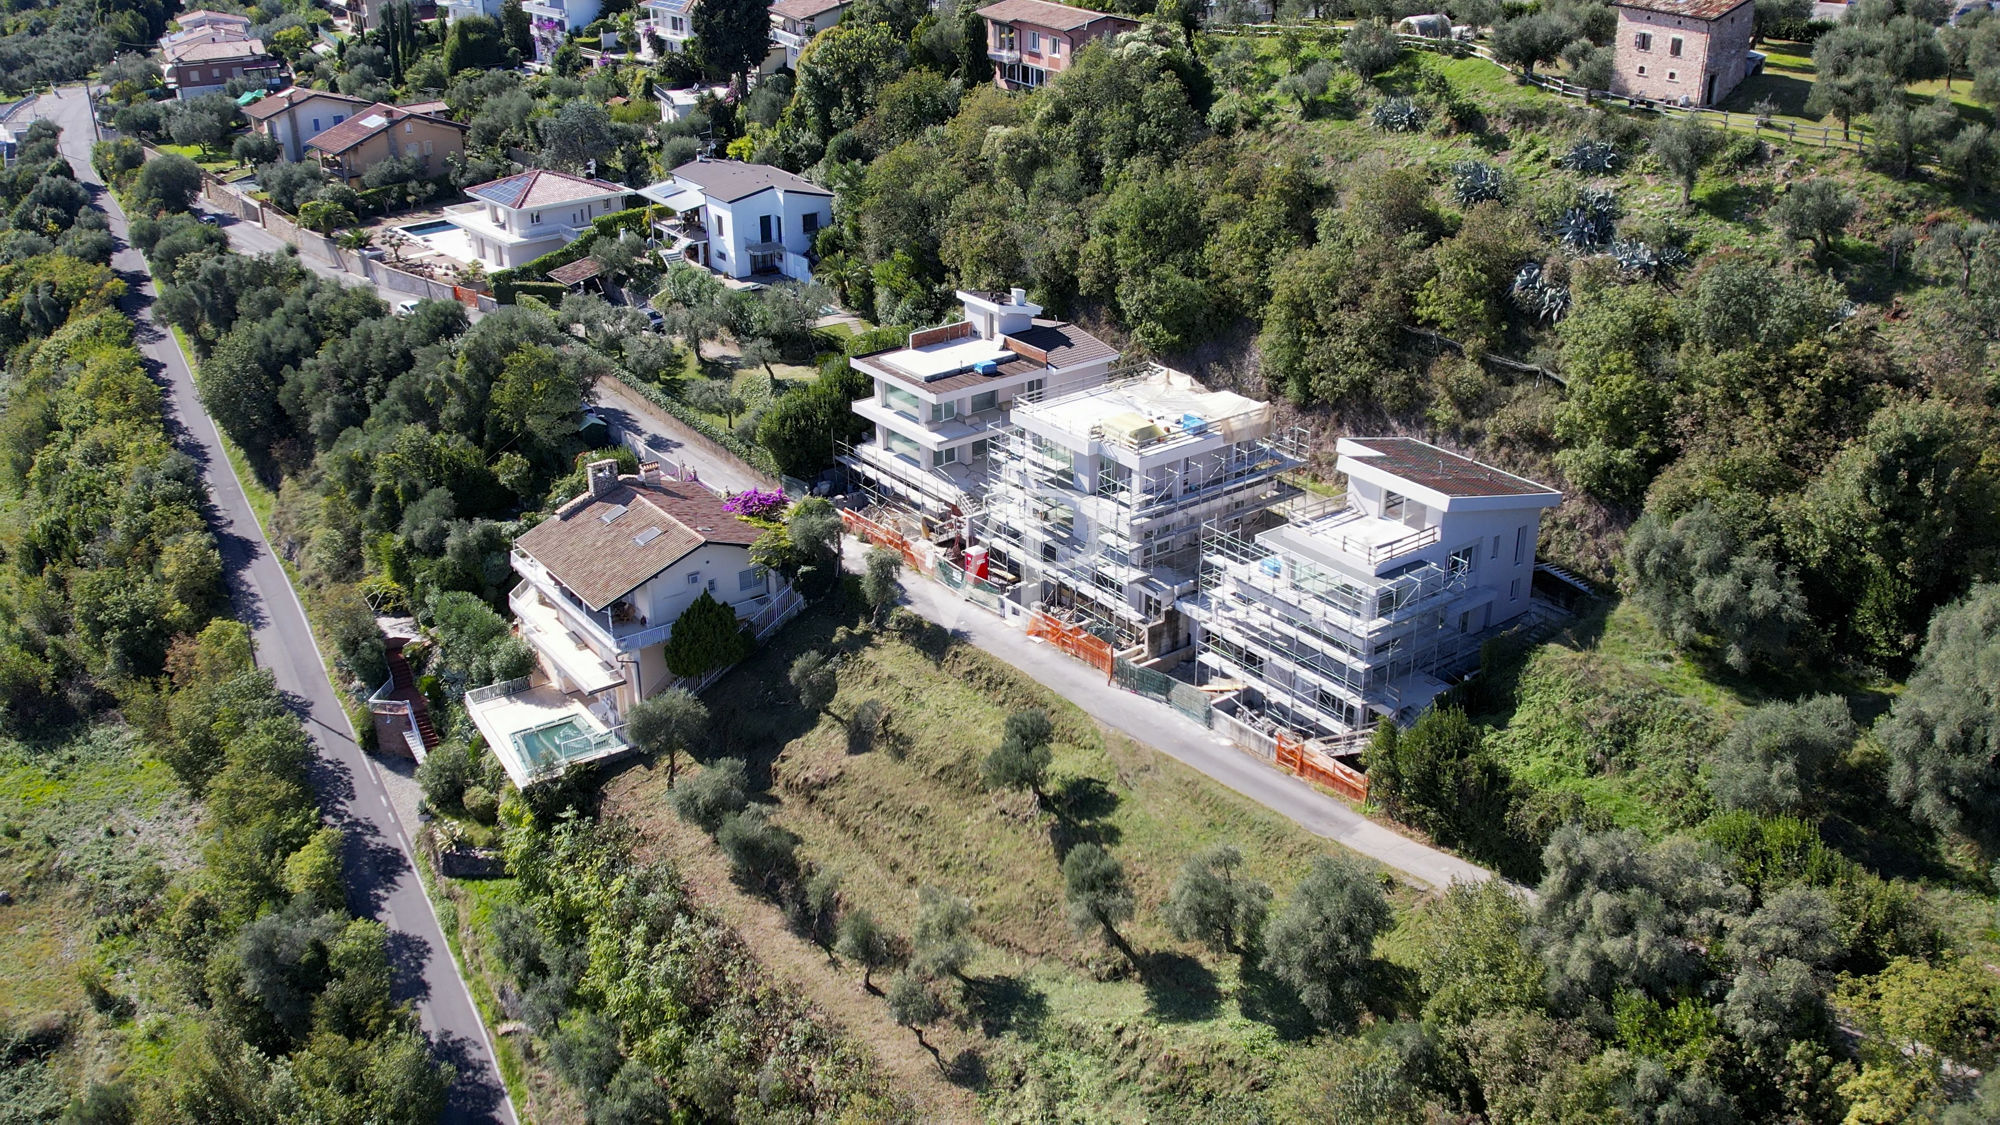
(1591, 158)
(1474, 181)
(1635, 257)
(1397, 115)
(1537, 296)
(1589, 222)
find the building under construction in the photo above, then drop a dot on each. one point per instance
(1336, 621)
(1098, 498)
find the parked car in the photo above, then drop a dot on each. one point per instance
(654, 318)
(405, 308)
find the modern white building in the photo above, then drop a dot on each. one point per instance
(459, 9)
(748, 222)
(940, 399)
(204, 26)
(795, 22)
(603, 580)
(664, 27)
(1099, 498)
(1330, 624)
(517, 219)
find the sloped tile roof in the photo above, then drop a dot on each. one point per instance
(601, 561)
(726, 181)
(805, 9)
(541, 188)
(1042, 13)
(1693, 9)
(274, 104)
(216, 52)
(366, 124)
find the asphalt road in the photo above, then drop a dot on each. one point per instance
(639, 423)
(382, 882)
(1180, 738)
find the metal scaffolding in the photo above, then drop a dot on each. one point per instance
(1325, 651)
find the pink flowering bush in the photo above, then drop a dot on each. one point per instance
(756, 503)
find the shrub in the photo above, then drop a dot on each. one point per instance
(705, 637)
(1475, 181)
(1592, 158)
(813, 678)
(480, 804)
(760, 852)
(445, 774)
(708, 799)
(864, 725)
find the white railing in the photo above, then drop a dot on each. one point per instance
(496, 691)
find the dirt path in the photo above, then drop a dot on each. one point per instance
(833, 988)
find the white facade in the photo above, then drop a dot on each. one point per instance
(1100, 498)
(1332, 623)
(940, 400)
(459, 9)
(744, 221)
(504, 235)
(795, 22)
(613, 657)
(664, 26)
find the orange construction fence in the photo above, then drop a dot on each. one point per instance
(1074, 640)
(861, 527)
(1320, 769)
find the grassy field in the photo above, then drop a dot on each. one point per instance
(91, 830)
(1062, 1024)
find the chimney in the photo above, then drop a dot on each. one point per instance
(603, 476)
(649, 471)
(1017, 296)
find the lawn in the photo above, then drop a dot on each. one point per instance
(217, 162)
(1078, 1030)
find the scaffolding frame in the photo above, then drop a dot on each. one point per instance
(1255, 615)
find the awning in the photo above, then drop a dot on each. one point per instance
(668, 194)
(250, 96)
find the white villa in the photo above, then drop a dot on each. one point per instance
(795, 22)
(1100, 498)
(939, 400)
(602, 582)
(1331, 624)
(664, 27)
(744, 221)
(517, 219)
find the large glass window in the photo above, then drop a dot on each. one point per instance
(944, 411)
(902, 402)
(902, 446)
(985, 400)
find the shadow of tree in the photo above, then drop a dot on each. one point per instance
(1179, 988)
(1263, 997)
(967, 1069)
(1004, 1004)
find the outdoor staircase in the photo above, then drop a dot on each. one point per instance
(405, 688)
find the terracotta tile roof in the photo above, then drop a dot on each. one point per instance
(726, 181)
(651, 527)
(581, 270)
(215, 52)
(805, 9)
(1041, 13)
(1693, 9)
(541, 188)
(430, 109)
(366, 124)
(274, 104)
(1441, 470)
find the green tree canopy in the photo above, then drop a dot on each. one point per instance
(1943, 733)
(1322, 942)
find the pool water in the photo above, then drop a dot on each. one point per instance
(435, 226)
(544, 746)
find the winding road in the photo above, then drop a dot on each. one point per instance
(381, 878)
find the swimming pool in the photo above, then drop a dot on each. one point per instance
(435, 226)
(547, 746)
